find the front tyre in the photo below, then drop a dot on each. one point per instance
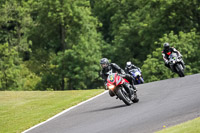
(179, 69)
(124, 96)
(141, 80)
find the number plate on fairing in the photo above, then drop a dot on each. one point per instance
(111, 77)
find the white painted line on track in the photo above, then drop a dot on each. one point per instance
(63, 112)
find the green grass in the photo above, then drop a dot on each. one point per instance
(20, 110)
(192, 126)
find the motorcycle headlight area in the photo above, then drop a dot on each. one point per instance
(111, 87)
(172, 61)
(137, 73)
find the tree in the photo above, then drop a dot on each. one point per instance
(15, 24)
(9, 68)
(67, 30)
(133, 26)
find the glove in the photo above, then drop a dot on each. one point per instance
(122, 72)
(105, 84)
(122, 75)
(180, 56)
(106, 88)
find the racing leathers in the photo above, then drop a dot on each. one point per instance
(128, 68)
(115, 68)
(166, 53)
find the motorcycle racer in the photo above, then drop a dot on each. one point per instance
(129, 67)
(106, 66)
(167, 51)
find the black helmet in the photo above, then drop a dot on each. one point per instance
(128, 64)
(166, 45)
(104, 62)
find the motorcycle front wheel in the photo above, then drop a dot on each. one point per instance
(179, 69)
(141, 80)
(124, 96)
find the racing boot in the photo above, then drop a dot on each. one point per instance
(133, 85)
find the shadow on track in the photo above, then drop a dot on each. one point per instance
(108, 108)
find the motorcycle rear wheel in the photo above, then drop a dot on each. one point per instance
(135, 100)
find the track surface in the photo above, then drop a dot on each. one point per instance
(167, 102)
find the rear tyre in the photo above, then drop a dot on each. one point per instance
(124, 96)
(135, 100)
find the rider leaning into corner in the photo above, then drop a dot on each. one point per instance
(106, 66)
(167, 51)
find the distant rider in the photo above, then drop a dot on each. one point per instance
(167, 51)
(129, 67)
(106, 67)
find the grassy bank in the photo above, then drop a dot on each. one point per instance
(192, 126)
(20, 110)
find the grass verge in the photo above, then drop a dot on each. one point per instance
(192, 126)
(20, 110)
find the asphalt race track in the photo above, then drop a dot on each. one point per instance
(162, 103)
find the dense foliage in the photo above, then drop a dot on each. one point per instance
(57, 44)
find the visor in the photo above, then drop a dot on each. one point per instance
(104, 65)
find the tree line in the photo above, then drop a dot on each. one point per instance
(57, 44)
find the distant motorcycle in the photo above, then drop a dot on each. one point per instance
(137, 75)
(115, 84)
(176, 64)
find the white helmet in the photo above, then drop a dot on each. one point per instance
(128, 64)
